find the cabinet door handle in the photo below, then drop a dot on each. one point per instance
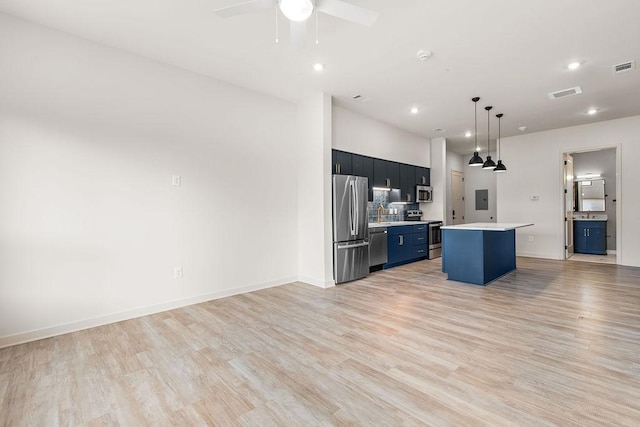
(588, 232)
(388, 181)
(585, 232)
(401, 240)
(339, 168)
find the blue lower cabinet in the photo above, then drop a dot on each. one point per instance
(406, 243)
(420, 251)
(590, 237)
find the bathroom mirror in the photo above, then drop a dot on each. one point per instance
(590, 195)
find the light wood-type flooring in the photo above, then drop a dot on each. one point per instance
(553, 343)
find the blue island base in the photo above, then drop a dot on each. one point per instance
(478, 256)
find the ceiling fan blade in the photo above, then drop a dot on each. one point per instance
(348, 12)
(298, 34)
(242, 8)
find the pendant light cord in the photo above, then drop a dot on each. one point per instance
(475, 131)
(488, 132)
(277, 41)
(499, 136)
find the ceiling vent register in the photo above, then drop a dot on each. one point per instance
(565, 92)
(624, 67)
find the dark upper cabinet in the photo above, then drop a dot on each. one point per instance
(386, 173)
(341, 163)
(422, 176)
(363, 166)
(381, 173)
(407, 183)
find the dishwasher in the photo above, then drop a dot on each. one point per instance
(377, 247)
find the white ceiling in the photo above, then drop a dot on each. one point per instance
(510, 53)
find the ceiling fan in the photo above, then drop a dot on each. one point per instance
(299, 11)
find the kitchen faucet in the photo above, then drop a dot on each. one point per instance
(380, 212)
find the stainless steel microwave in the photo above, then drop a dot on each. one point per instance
(424, 194)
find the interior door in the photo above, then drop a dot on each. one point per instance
(568, 206)
(457, 197)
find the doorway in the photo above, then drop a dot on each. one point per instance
(591, 189)
(457, 197)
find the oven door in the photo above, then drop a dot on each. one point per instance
(435, 240)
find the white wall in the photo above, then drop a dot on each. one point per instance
(436, 210)
(314, 191)
(91, 227)
(535, 168)
(476, 178)
(359, 134)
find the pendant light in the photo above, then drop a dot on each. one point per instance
(476, 160)
(489, 164)
(500, 167)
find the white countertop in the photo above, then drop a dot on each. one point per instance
(487, 226)
(395, 223)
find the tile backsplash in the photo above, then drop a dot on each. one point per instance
(392, 211)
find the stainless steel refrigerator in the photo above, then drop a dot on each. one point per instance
(350, 228)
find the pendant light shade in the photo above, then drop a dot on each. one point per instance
(500, 167)
(476, 160)
(489, 164)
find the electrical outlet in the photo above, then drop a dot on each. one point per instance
(531, 238)
(176, 180)
(178, 273)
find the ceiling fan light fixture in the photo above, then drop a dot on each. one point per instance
(296, 10)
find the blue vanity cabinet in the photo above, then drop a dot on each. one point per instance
(590, 237)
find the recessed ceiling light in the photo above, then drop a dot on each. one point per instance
(468, 134)
(574, 65)
(414, 110)
(318, 67)
(439, 130)
(592, 111)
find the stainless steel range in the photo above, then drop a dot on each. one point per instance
(413, 215)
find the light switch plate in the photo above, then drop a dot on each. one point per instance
(176, 180)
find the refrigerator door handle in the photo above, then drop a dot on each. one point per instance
(356, 228)
(358, 245)
(352, 208)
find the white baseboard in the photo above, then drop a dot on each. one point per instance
(611, 252)
(532, 255)
(316, 282)
(66, 328)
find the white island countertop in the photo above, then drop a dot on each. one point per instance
(487, 226)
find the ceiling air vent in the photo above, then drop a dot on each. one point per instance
(624, 67)
(565, 92)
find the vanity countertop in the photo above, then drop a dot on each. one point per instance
(592, 217)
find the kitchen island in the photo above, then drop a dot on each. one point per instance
(479, 253)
